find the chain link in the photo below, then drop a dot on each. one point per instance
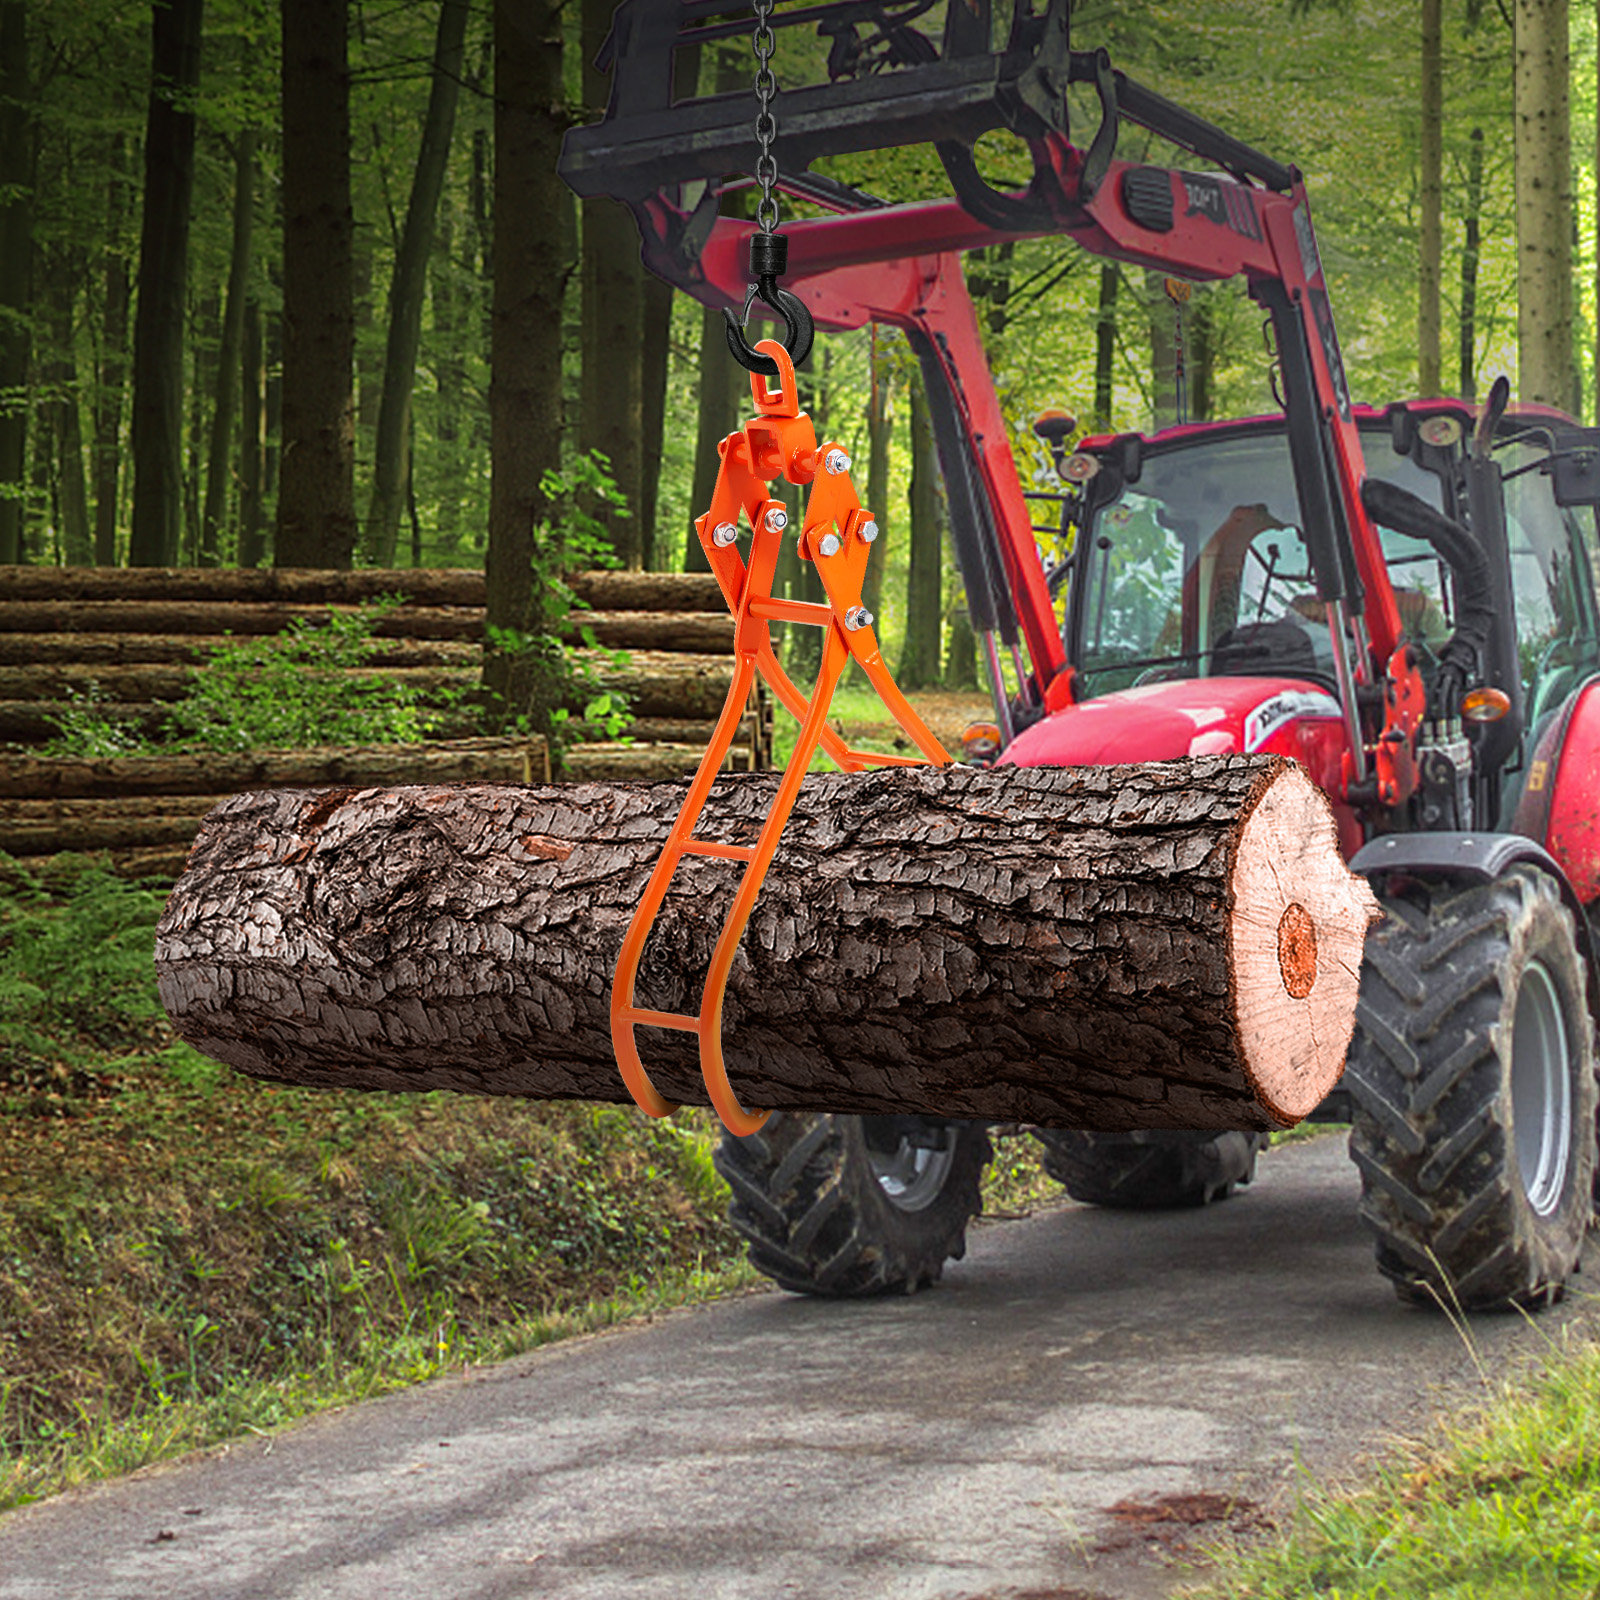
(766, 124)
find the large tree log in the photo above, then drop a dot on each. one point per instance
(431, 586)
(1173, 945)
(211, 772)
(98, 630)
(219, 616)
(604, 761)
(658, 683)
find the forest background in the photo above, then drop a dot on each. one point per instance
(297, 283)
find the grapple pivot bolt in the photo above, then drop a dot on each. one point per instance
(776, 519)
(829, 545)
(857, 617)
(724, 534)
(869, 531)
(835, 462)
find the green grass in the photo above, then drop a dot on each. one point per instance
(186, 1255)
(1500, 1504)
(858, 714)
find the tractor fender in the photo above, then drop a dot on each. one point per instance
(1479, 858)
(1560, 802)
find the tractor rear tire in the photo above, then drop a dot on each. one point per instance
(848, 1206)
(1472, 1079)
(1150, 1169)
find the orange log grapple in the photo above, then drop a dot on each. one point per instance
(837, 534)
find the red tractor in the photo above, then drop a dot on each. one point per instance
(1402, 600)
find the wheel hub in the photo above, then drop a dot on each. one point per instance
(1541, 1108)
(911, 1174)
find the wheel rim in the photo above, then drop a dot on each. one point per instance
(1541, 1091)
(911, 1176)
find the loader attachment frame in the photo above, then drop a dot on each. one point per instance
(874, 260)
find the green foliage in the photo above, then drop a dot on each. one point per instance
(285, 690)
(185, 1254)
(75, 965)
(1500, 1504)
(571, 538)
(89, 729)
(297, 688)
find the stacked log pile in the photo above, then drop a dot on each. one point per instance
(146, 810)
(136, 634)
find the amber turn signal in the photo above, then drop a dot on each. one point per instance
(980, 741)
(1485, 704)
(1054, 425)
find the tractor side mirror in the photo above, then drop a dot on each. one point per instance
(1575, 467)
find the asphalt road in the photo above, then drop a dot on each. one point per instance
(1086, 1394)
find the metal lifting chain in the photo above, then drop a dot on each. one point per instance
(766, 123)
(769, 251)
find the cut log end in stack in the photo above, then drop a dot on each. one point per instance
(1173, 945)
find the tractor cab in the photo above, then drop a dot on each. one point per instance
(1192, 612)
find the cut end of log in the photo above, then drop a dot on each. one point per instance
(1298, 922)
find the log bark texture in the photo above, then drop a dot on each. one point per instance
(211, 772)
(658, 683)
(1173, 945)
(112, 630)
(432, 586)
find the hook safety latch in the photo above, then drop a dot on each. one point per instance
(769, 258)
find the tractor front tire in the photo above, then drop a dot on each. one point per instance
(1472, 1081)
(848, 1206)
(1150, 1169)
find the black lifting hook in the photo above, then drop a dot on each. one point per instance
(769, 256)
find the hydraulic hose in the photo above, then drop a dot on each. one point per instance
(1463, 655)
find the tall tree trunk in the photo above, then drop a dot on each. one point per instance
(39, 510)
(532, 261)
(921, 656)
(1105, 344)
(1163, 351)
(252, 439)
(214, 512)
(1471, 224)
(392, 450)
(718, 393)
(369, 365)
(611, 416)
(880, 439)
(316, 525)
(16, 271)
(1202, 337)
(1545, 367)
(654, 353)
(721, 387)
(163, 285)
(65, 420)
(1430, 253)
(961, 655)
(205, 335)
(272, 420)
(113, 365)
(453, 327)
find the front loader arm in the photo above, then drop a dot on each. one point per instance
(899, 263)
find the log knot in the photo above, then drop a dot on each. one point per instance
(1297, 950)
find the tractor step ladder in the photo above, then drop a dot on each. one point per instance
(837, 535)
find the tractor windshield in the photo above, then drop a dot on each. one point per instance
(1200, 569)
(1552, 579)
